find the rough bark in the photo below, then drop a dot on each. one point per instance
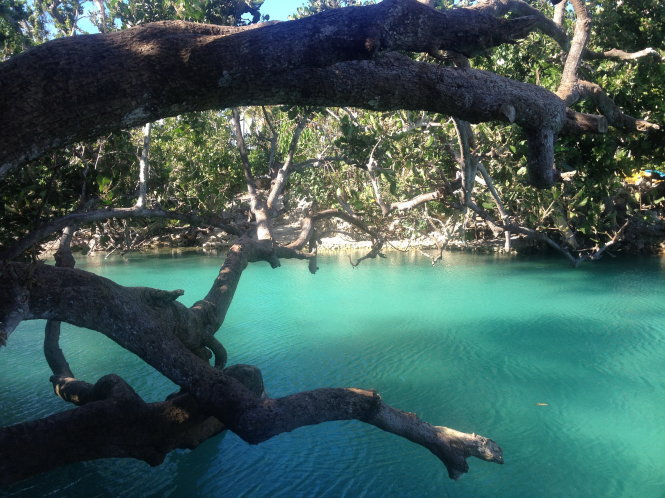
(546, 26)
(329, 59)
(113, 422)
(169, 338)
(322, 60)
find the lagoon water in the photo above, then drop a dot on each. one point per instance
(564, 368)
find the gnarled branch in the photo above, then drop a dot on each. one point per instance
(160, 334)
(221, 67)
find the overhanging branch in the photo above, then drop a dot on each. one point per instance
(210, 67)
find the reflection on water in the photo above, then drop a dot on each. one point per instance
(564, 368)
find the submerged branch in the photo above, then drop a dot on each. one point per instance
(162, 337)
(112, 421)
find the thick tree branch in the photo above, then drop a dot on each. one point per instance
(209, 67)
(546, 26)
(578, 123)
(215, 305)
(49, 295)
(113, 422)
(577, 48)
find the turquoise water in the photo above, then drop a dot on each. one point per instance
(476, 344)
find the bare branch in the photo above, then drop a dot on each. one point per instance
(417, 200)
(76, 219)
(244, 157)
(497, 201)
(144, 166)
(374, 251)
(374, 180)
(284, 172)
(257, 202)
(529, 232)
(467, 161)
(308, 224)
(597, 254)
(624, 56)
(274, 137)
(615, 116)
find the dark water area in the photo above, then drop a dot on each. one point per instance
(564, 368)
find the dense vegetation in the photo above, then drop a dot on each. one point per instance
(371, 159)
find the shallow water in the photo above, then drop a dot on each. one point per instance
(563, 368)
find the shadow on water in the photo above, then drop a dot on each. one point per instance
(562, 367)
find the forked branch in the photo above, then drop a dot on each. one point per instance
(48, 292)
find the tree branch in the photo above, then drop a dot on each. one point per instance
(258, 204)
(79, 218)
(211, 67)
(417, 200)
(308, 224)
(546, 26)
(284, 172)
(144, 165)
(159, 339)
(614, 115)
(113, 421)
(622, 55)
(574, 58)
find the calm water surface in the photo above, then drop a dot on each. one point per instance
(564, 368)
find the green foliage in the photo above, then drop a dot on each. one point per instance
(44, 189)
(316, 6)
(225, 12)
(195, 164)
(12, 38)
